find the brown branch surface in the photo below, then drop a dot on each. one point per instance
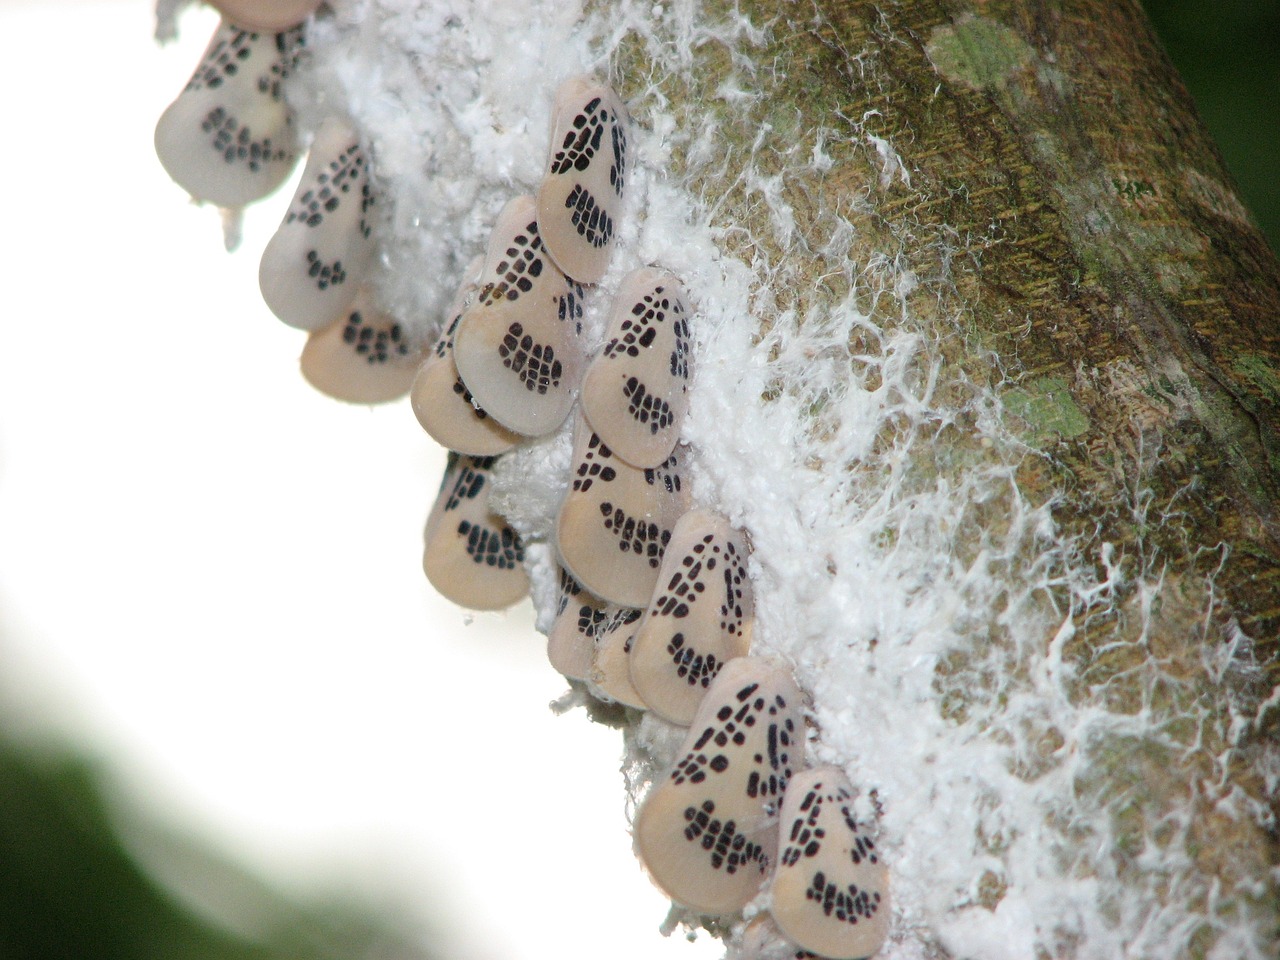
(1082, 249)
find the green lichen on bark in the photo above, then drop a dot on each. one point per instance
(1046, 405)
(977, 51)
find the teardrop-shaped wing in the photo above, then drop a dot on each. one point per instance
(519, 347)
(707, 831)
(616, 520)
(268, 15)
(320, 253)
(636, 390)
(443, 404)
(363, 358)
(700, 617)
(610, 673)
(579, 618)
(831, 890)
(580, 200)
(471, 555)
(228, 138)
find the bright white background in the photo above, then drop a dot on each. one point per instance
(210, 575)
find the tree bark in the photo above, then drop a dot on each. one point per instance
(1081, 250)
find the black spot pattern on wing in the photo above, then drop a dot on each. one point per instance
(289, 46)
(696, 669)
(569, 589)
(569, 306)
(591, 220)
(237, 144)
(224, 60)
(621, 618)
(689, 582)
(805, 838)
(470, 480)
(533, 362)
(734, 572)
(618, 169)
(445, 342)
(367, 197)
(777, 757)
(643, 538)
(645, 408)
(729, 849)
(583, 139)
(596, 623)
(591, 621)
(639, 330)
(461, 390)
(331, 189)
(770, 770)
(849, 905)
(863, 849)
(499, 548)
(522, 264)
(325, 275)
(679, 361)
(594, 466)
(667, 474)
(376, 346)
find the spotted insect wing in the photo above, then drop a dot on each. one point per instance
(831, 889)
(472, 556)
(581, 197)
(363, 358)
(228, 138)
(700, 616)
(707, 832)
(616, 520)
(321, 252)
(519, 346)
(636, 391)
(441, 401)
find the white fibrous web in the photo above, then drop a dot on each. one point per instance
(924, 603)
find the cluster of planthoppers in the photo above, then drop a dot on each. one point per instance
(655, 605)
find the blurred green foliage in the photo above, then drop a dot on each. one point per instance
(69, 890)
(1228, 52)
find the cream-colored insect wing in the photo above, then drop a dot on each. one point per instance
(700, 617)
(320, 253)
(580, 200)
(831, 889)
(471, 555)
(266, 14)
(228, 138)
(610, 674)
(636, 391)
(572, 639)
(519, 347)
(363, 358)
(616, 520)
(443, 404)
(708, 832)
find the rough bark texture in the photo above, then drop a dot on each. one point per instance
(1081, 248)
